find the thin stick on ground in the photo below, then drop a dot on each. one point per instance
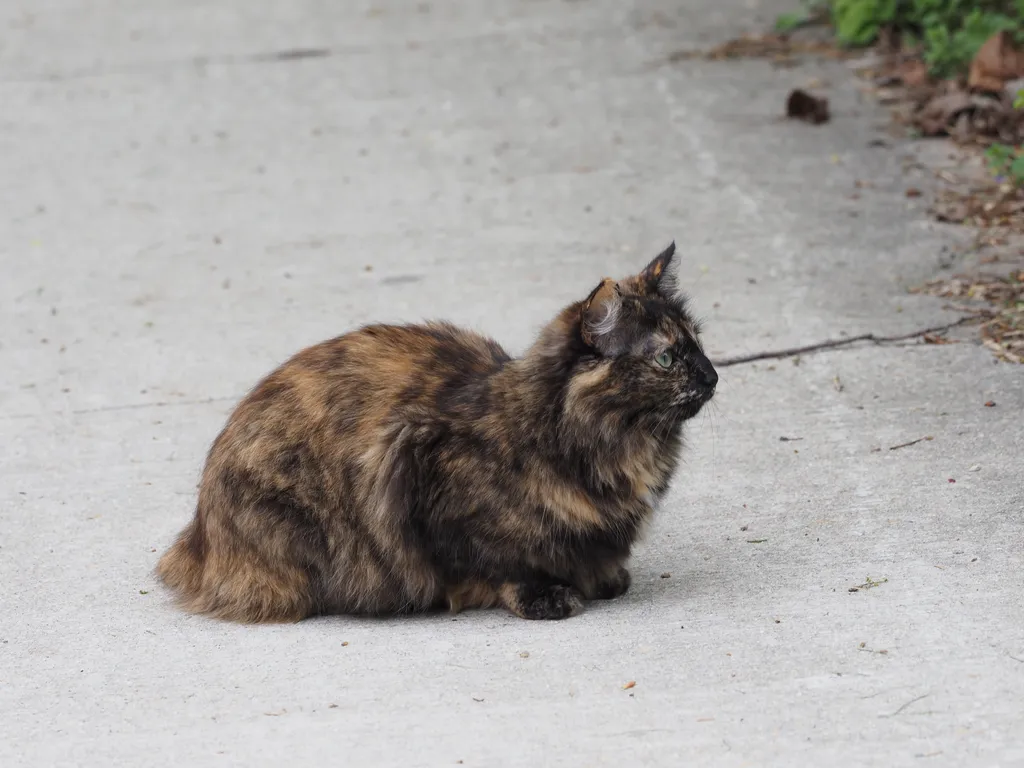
(912, 701)
(833, 343)
(907, 445)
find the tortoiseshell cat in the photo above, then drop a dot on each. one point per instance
(405, 468)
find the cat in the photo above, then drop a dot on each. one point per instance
(396, 469)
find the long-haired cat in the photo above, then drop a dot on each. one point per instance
(406, 468)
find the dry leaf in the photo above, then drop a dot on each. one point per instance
(803, 106)
(996, 62)
(948, 109)
(936, 116)
(913, 73)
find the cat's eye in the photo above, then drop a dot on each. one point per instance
(664, 359)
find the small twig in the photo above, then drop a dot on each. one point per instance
(912, 701)
(979, 312)
(1015, 658)
(833, 343)
(877, 693)
(912, 442)
(868, 584)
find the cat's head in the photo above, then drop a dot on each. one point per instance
(645, 346)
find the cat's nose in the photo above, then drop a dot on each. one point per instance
(706, 373)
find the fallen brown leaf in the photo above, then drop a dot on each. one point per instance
(803, 106)
(996, 62)
(984, 205)
(950, 109)
(913, 73)
(951, 210)
(939, 113)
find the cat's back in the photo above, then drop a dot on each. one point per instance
(351, 386)
(397, 363)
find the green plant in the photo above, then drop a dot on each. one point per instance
(1007, 161)
(858, 22)
(810, 11)
(949, 47)
(950, 32)
(787, 22)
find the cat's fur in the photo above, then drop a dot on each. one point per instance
(404, 468)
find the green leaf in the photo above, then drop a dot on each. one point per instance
(857, 22)
(1017, 169)
(951, 31)
(787, 22)
(998, 157)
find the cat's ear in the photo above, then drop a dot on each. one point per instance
(599, 314)
(660, 275)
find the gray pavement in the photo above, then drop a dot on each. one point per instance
(192, 191)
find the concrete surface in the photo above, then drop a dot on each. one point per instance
(182, 207)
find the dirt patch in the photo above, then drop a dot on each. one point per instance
(1000, 298)
(986, 204)
(780, 49)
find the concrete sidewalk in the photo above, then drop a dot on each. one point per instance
(193, 191)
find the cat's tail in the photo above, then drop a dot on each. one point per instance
(212, 574)
(181, 567)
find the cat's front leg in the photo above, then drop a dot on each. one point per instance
(537, 599)
(603, 580)
(541, 600)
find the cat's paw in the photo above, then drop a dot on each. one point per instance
(613, 586)
(557, 601)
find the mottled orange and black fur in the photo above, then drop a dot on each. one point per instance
(405, 468)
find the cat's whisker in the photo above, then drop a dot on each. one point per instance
(711, 413)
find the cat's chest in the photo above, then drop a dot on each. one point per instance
(646, 468)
